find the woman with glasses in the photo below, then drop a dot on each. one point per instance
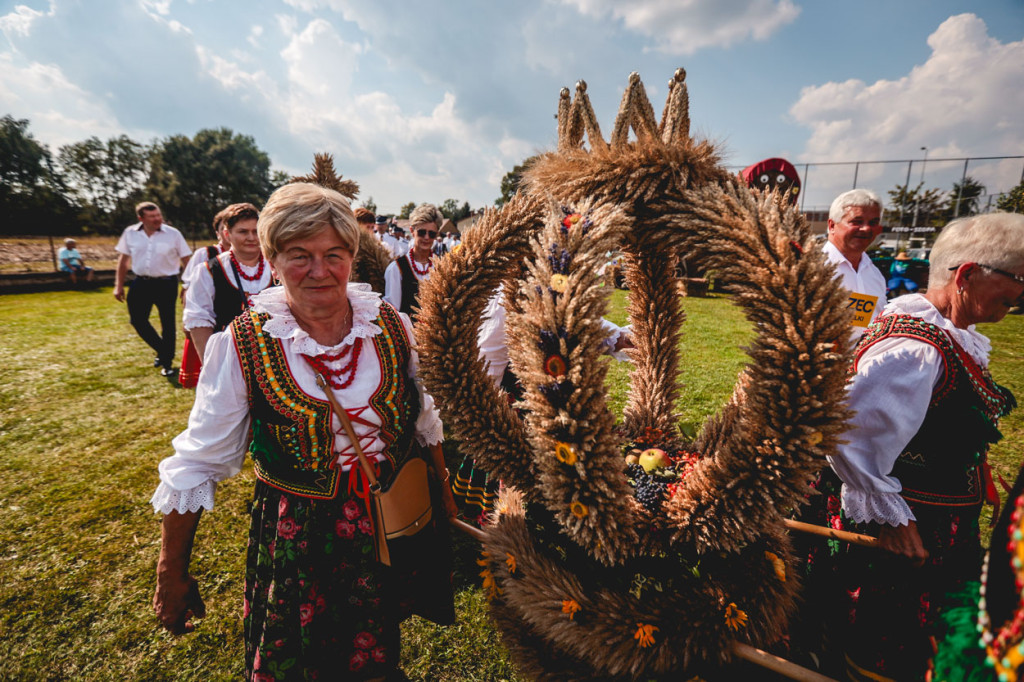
(914, 470)
(402, 278)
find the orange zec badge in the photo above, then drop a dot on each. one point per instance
(863, 307)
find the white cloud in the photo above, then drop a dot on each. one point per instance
(19, 22)
(254, 35)
(60, 112)
(965, 99)
(682, 27)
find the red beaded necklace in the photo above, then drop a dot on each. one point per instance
(241, 272)
(343, 376)
(416, 268)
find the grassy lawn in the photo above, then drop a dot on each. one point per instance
(84, 420)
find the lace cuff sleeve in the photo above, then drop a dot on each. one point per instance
(166, 499)
(883, 508)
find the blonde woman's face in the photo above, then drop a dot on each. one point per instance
(314, 272)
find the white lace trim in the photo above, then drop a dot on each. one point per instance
(885, 508)
(432, 436)
(974, 342)
(283, 325)
(166, 499)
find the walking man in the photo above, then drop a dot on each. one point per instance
(157, 253)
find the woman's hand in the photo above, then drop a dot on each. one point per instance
(176, 601)
(177, 593)
(451, 509)
(904, 541)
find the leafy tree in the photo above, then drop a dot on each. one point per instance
(510, 183)
(1012, 201)
(106, 178)
(453, 211)
(407, 210)
(194, 178)
(969, 193)
(370, 205)
(926, 205)
(279, 178)
(31, 192)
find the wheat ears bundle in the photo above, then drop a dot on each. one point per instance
(589, 577)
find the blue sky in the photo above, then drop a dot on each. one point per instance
(422, 101)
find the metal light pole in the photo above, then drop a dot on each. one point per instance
(924, 163)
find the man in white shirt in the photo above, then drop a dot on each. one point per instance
(389, 240)
(854, 222)
(157, 253)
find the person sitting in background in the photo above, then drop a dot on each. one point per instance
(898, 274)
(71, 262)
(224, 288)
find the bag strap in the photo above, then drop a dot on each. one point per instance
(347, 424)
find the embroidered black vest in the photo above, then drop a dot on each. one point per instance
(942, 465)
(292, 441)
(228, 298)
(410, 287)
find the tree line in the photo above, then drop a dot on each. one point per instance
(92, 186)
(933, 207)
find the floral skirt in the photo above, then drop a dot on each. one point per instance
(869, 614)
(318, 605)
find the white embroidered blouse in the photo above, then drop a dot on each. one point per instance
(890, 394)
(212, 448)
(199, 296)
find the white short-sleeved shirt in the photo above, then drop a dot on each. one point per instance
(158, 255)
(866, 284)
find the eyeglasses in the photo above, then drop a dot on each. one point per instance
(1019, 279)
(426, 233)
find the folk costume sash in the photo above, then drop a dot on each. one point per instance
(292, 438)
(945, 463)
(410, 287)
(228, 297)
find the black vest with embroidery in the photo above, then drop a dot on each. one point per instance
(410, 287)
(292, 440)
(228, 299)
(942, 465)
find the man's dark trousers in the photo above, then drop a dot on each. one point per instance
(143, 294)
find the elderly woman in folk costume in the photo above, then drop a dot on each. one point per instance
(402, 278)
(317, 603)
(914, 468)
(225, 286)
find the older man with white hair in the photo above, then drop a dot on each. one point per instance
(854, 222)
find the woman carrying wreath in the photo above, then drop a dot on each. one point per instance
(913, 469)
(402, 278)
(317, 603)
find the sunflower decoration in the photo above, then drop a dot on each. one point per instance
(705, 535)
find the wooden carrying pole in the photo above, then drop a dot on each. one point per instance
(740, 650)
(844, 535)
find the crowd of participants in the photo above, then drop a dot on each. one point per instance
(912, 471)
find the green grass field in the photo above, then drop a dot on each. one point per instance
(84, 420)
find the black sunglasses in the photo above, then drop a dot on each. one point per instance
(426, 233)
(1019, 279)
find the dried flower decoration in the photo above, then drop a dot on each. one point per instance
(570, 606)
(559, 283)
(578, 509)
(510, 562)
(565, 453)
(735, 617)
(778, 564)
(645, 634)
(555, 366)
